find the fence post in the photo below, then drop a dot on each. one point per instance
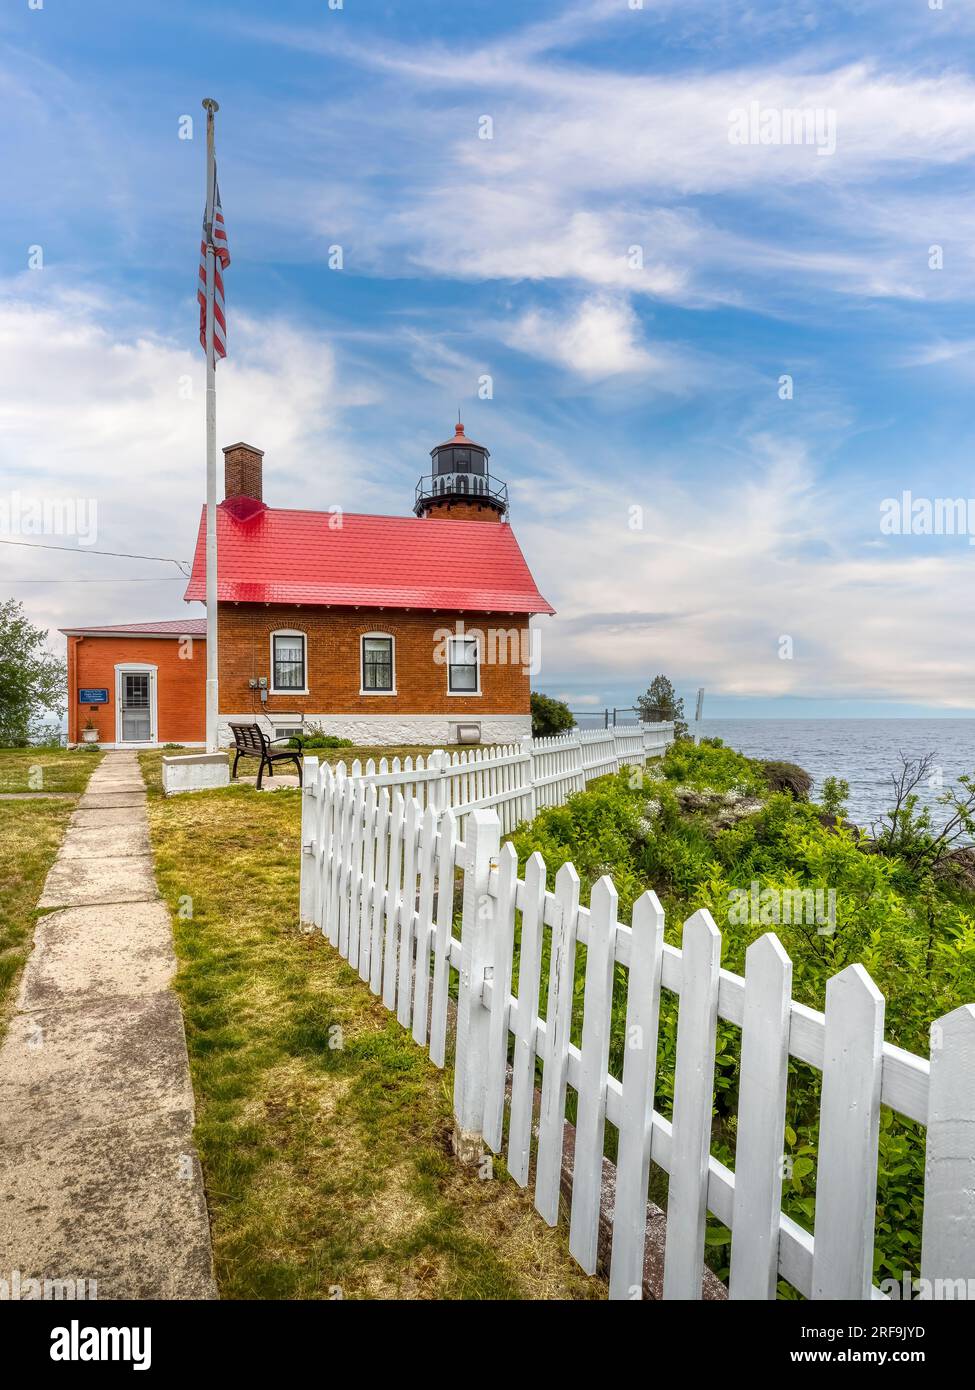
(482, 841)
(949, 1190)
(437, 788)
(309, 861)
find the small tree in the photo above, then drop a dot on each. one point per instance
(32, 680)
(833, 797)
(549, 716)
(906, 829)
(661, 703)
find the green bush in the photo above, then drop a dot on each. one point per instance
(549, 716)
(319, 740)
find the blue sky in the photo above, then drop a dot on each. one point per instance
(680, 515)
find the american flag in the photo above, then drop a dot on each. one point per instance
(221, 260)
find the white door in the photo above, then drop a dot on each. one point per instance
(136, 702)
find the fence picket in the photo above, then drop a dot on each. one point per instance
(503, 938)
(321, 863)
(357, 850)
(526, 1017)
(482, 843)
(407, 914)
(639, 1076)
(761, 1120)
(424, 927)
(697, 1024)
(335, 855)
(345, 849)
(587, 1171)
(393, 868)
(446, 842)
(309, 815)
(849, 1126)
(558, 1021)
(379, 892)
(368, 882)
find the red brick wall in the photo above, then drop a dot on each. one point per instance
(180, 684)
(333, 662)
(463, 511)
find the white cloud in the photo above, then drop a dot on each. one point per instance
(599, 338)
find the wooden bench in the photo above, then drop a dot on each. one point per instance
(251, 741)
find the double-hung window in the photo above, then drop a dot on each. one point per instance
(288, 661)
(378, 676)
(463, 671)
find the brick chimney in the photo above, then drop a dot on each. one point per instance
(242, 471)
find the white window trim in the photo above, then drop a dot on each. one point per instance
(387, 637)
(136, 668)
(288, 632)
(464, 694)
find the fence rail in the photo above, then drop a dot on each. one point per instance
(516, 779)
(378, 879)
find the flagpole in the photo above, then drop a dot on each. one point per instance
(212, 685)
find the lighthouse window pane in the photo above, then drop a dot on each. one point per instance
(377, 663)
(289, 662)
(462, 673)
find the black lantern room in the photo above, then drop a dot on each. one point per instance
(460, 482)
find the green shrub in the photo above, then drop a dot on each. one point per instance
(549, 716)
(709, 764)
(320, 740)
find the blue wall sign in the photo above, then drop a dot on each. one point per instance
(93, 697)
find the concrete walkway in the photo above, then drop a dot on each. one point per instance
(99, 1179)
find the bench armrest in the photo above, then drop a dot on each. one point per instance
(287, 738)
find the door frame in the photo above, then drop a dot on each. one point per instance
(136, 668)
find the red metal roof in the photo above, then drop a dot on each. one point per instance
(169, 627)
(271, 555)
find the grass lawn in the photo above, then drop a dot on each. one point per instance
(46, 769)
(30, 835)
(323, 1129)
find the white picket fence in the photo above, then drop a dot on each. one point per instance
(378, 878)
(517, 779)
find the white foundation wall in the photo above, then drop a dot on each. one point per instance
(437, 730)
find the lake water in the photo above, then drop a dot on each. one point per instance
(864, 751)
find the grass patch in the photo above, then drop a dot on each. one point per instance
(322, 1128)
(46, 769)
(30, 836)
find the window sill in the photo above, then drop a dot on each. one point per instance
(465, 694)
(288, 692)
(387, 693)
